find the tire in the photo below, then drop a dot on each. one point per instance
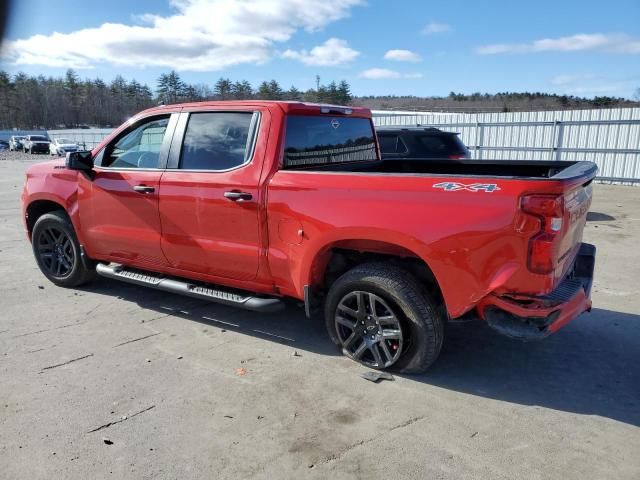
(388, 287)
(58, 253)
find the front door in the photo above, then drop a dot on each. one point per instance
(119, 206)
(209, 195)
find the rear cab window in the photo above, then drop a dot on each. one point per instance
(321, 140)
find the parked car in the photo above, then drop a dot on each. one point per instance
(61, 146)
(245, 203)
(35, 144)
(15, 143)
(4, 145)
(426, 143)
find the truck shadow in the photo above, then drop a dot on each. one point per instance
(599, 217)
(288, 327)
(590, 367)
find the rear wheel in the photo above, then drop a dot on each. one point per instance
(58, 252)
(380, 316)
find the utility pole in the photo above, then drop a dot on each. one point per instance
(317, 83)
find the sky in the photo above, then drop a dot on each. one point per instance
(411, 47)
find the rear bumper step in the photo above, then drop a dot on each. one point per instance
(235, 298)
(537, 317)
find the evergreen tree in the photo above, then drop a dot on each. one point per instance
(264, 91)
(344, 93)
(223, 89)
(293, 94)
(275, 90)
(242, 90)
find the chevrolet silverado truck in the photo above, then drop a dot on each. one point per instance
(247, 203)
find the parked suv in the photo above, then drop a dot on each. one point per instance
(36, 144)
(15, 143)
(421, 143)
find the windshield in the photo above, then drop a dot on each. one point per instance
(38, 138)
(317, 140)
(65, 141)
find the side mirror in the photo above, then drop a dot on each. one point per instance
(79, 161)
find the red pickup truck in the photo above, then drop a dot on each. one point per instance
(246, 203)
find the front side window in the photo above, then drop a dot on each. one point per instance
(139, 148)
(321, 140)
(218, 140)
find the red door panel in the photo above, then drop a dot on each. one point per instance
(206, 228)
(120, 221)
(202, 231)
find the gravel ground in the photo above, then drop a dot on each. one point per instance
(117, 381)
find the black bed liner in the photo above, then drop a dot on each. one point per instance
(529, 169)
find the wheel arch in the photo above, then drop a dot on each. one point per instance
(37, 208)
(338, 256)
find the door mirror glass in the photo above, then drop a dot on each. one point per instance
(80, 161)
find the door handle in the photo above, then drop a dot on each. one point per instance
(144, 189)
(238, 196)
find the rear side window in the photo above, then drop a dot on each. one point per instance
(320, 140)
(391, 144)
(218, 140)
(441, 145)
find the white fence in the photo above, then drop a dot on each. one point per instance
(608, 137)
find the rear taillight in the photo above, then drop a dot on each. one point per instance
(543, 246)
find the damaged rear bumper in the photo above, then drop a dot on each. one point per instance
(532, 318)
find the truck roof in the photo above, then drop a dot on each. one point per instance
(287, 106)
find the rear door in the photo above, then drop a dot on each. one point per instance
(209, 195)
(119, 206)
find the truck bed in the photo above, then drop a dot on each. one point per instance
(524, 169)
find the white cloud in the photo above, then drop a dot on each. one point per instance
(569, 79)
(331, 53)
(612, 43)
(433, 28)
(201, 35)
(402, 56)
(385, 73)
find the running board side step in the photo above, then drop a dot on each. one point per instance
(236, 298)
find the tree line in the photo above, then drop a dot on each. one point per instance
(498, 102)
(28, 102)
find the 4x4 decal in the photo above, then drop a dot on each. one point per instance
(472, 187)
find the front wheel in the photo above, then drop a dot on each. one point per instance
(58, 252)
(380, 316)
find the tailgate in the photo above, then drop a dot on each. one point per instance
(576, 205)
